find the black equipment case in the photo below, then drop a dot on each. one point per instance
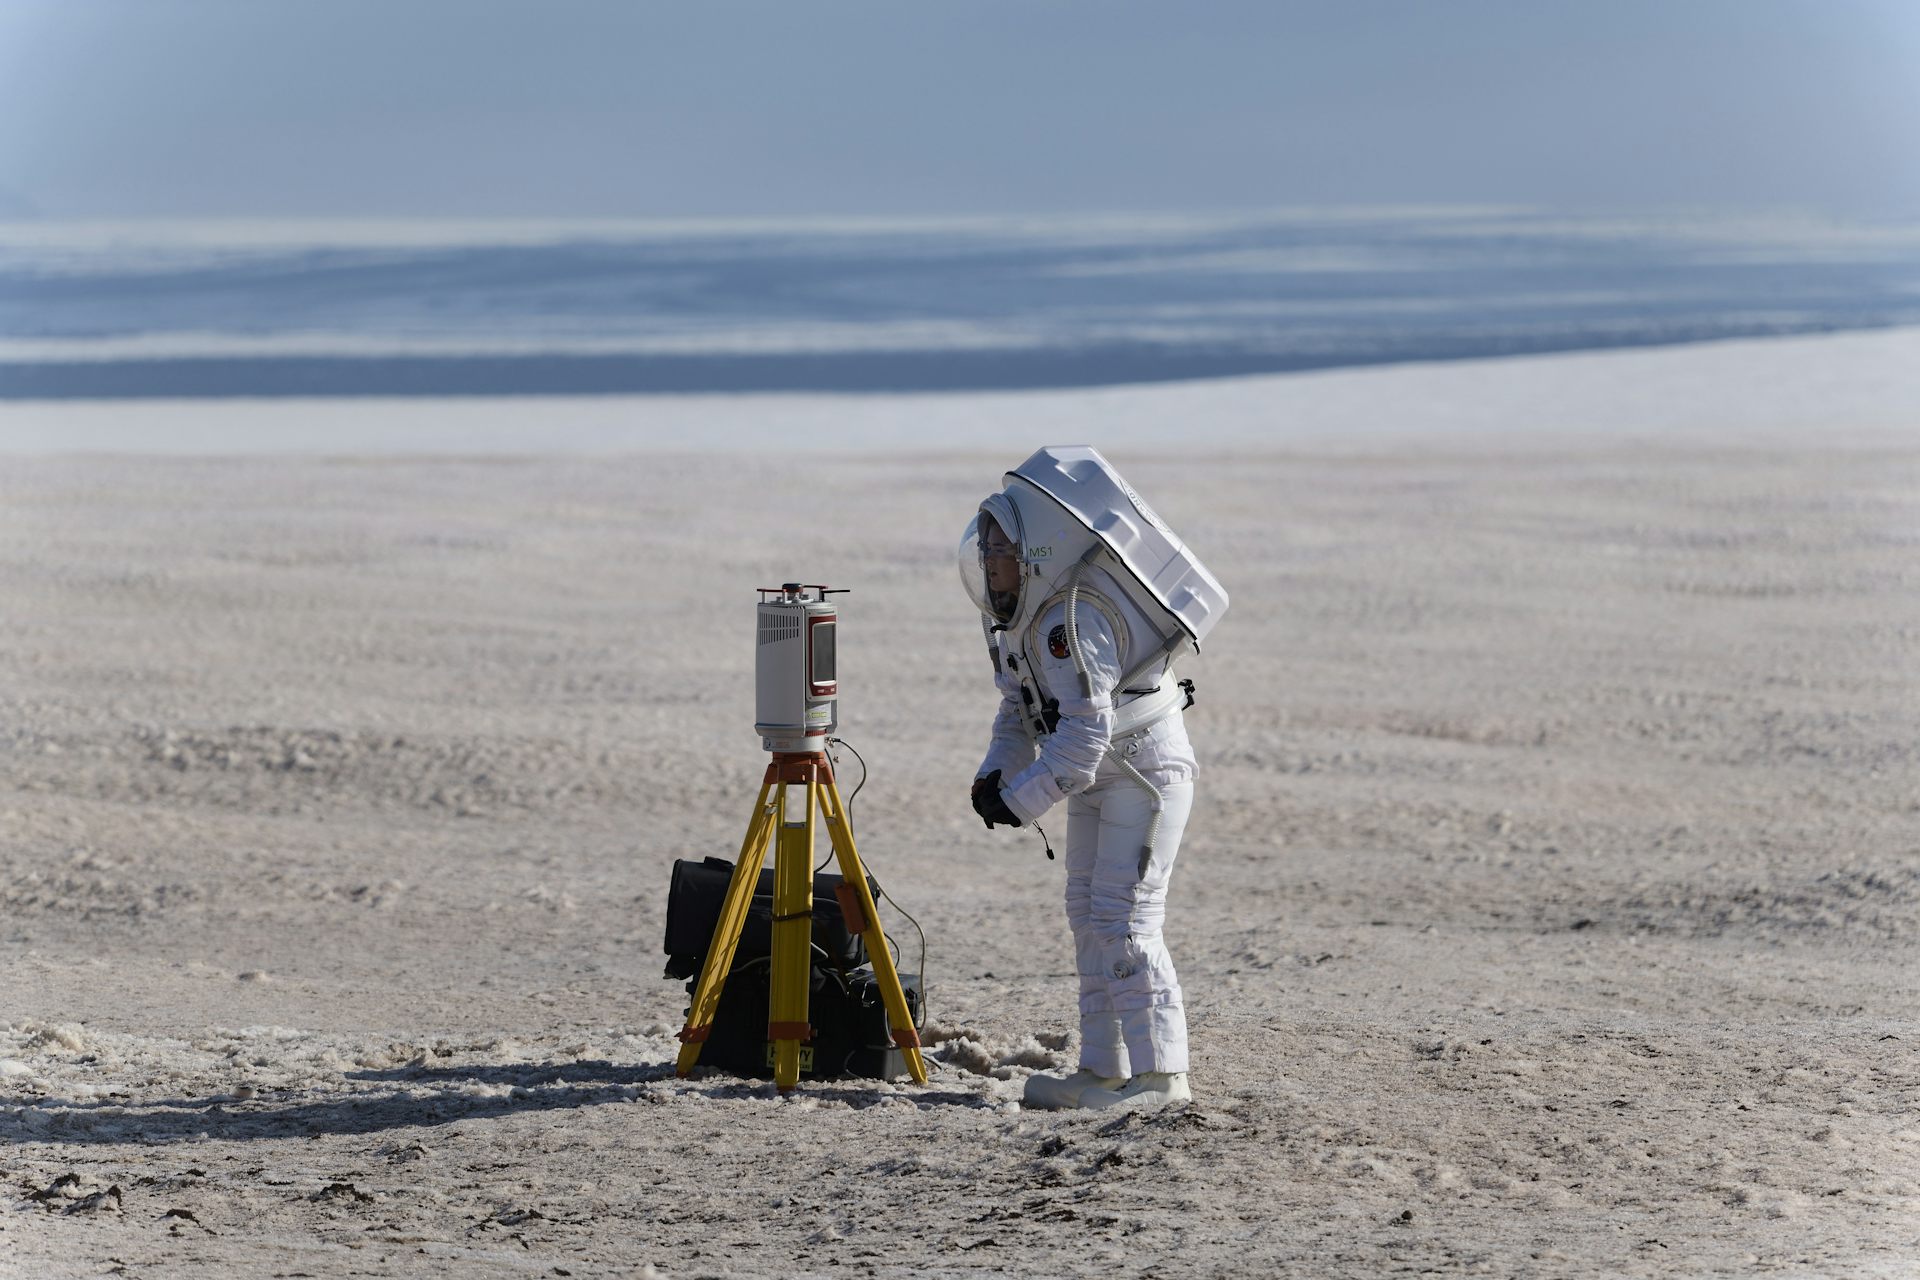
(699, 889)
(851, 1035)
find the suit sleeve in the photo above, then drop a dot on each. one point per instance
(1071, 754)
(1012, 747)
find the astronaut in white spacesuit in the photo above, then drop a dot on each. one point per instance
(1086, 599)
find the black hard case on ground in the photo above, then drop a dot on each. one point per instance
(694, 899)
(851, 1035)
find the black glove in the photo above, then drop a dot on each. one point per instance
(989, 803)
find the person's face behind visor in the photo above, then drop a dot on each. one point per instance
(1001, 561)
(998, 554)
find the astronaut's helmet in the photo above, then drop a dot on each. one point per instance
(1065, 511)
(990, 564)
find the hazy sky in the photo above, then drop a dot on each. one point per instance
(134, 108)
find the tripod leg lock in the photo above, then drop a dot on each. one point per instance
(850, 909)
(695, 1035)
(800, 1031)
(906, 1038)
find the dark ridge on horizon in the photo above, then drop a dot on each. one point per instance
(850, 373)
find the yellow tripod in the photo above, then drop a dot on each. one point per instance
(775, 824)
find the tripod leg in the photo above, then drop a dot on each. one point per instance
(905, 1037)
(792, 939)
(726, 932)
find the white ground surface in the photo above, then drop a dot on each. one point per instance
(1549, 908)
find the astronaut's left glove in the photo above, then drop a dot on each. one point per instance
(989, 803)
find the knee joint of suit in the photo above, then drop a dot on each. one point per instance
(1117, 911)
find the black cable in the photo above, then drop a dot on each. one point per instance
(848, 805)
(842, 742)
(895, 947)
(892, 944)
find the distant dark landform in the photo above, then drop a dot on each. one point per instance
(260, 310)
(870, 372)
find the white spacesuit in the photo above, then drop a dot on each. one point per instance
(1087, 599)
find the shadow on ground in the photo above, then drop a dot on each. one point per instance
(422, 1097)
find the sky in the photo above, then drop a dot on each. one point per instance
(126, 109)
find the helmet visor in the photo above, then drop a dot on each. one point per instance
(990, 568)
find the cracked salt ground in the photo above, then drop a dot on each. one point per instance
(1548, 911)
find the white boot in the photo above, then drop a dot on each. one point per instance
(1148, 1089)
(1058, 1093)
